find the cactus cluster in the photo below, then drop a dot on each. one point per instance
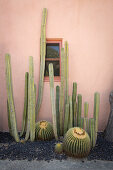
(44, 130)
(77, 142)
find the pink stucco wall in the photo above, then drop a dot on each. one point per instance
(87, 25)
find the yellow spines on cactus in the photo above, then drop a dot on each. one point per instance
(76, 142)
(59, 148)
(44, 130)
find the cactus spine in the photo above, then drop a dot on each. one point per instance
(66, 118)
(57, 109)
(74, 94)
(96, 111)
(62, 91)
(51, 78)
(66, 72)
(42, 63)
(25, 104)
(11, 107)
(79, 109)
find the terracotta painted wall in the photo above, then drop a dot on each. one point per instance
(87, 25)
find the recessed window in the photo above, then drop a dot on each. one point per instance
(53, 55)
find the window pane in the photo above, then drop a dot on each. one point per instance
(56, 67)
(52, 50)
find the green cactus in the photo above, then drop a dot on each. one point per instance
(71, 113)
(13, 123)
(57, 109)
(92, 131)
(86, 106)
(35, 92)
(79, 109)
(66, 118)
(24, 123)
(74, 94)
(31, 103)
(96, 112)
(86, 126)
(42, 63)
(76, 142)
(44, 130)
(51, 78)
(9, 120)
(66, 72)
(59, 148)
(82, 122)
(75, 114)
(62, 90)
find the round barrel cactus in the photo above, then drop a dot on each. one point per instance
(59, 148)
(44, 130)
(77, 142)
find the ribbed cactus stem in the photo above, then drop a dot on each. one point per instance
(92, 131)
(75, 114)
(79, 109)
(66, 118)
(51, 78)
(86, 106)
(82, 123)
(24, 120)
(71, 113)
(11, 99)
(35, 92)
(66, 72)
(31, 103)
(9, 120)
(62, 91)
(74, 94)
(86, 126)
(96, 111)
(42, 63)
(57, 109)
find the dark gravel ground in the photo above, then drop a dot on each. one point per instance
(44, 150)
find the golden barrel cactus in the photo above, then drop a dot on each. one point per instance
(44, 130)
(77, 142)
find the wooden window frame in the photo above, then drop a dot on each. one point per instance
(54, 40)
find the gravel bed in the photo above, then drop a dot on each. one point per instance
(44, 150)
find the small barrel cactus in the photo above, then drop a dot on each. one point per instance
(77, 142)
(59, 148)
(44, 130)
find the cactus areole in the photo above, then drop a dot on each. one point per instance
(77, 142)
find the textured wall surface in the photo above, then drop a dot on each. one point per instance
(87, 25)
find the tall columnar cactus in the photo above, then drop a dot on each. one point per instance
(75, 114)
(9, 121)
(86, 126)
(62, 91)
(92, 131)
(24, 121)
(42, 63)
(74, 94)
(57, 109)
(31, 103)
(96, 111)
(79, 110)
(66, 118)
(82, 122)
(51, 78)
(71, 113)
(12, 115)
(66, 72)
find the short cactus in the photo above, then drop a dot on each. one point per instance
(77, 142)
(59, 148)
(44, 130)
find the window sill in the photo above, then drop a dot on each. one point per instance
(56, 79)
